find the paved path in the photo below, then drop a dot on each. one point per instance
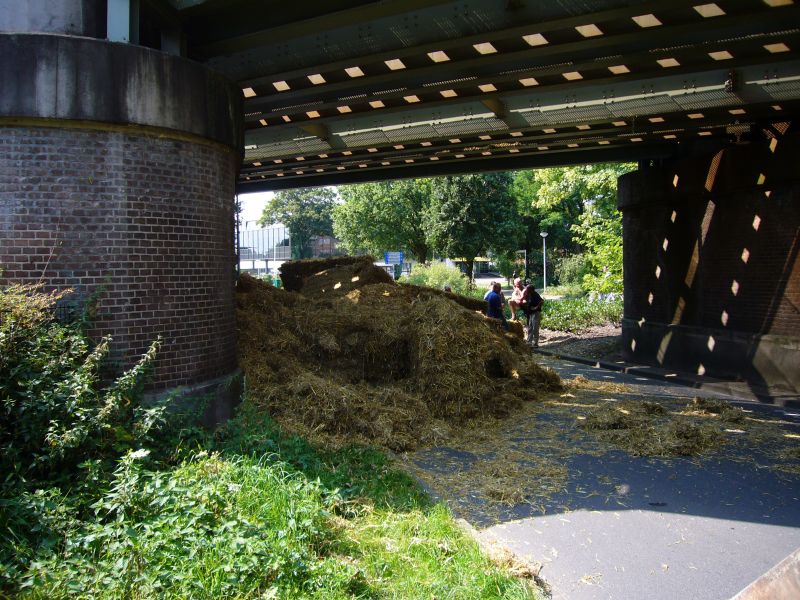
(636, 528)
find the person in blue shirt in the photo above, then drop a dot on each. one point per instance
(495, 302)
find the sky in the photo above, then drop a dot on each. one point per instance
(252, 207)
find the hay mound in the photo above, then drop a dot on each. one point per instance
(465, 301)
(331, 276)
(384, 364)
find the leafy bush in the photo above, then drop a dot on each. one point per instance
(580, 313)
(571, 269)
(437, 275)
(53, 412)
(569, 290)
(508, 264)
(211, 528)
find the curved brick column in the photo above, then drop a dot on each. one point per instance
(117, 179)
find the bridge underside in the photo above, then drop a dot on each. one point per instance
(127, 126)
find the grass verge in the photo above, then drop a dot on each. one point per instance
(246, 513)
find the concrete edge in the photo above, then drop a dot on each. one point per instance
(756, 393)
(504, 558)
(781, 582)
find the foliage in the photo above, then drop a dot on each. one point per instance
(548, 206)
(384, 216)
(570, 269)
(567, 290)
(305, 212)
(472, 214)
(507, 264)
(259, 514)
(580, 313)
(577, 207)
(211, 528)
(53, 412)
(602, 237)
(437, 275)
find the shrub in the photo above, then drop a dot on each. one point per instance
(580, 313)
(437, 275)
(212, 528)
(53, 412)
(571, 269)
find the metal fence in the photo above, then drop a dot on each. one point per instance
(263, 250)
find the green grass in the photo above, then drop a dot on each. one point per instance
(572, 291)
(248, 513)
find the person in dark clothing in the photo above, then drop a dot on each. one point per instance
(531, 305)
(495, 308)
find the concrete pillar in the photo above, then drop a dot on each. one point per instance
(712, 275)
(70, 17)
(117, 179)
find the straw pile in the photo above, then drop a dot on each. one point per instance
(376, 362)
(336, 276)
(721, 409)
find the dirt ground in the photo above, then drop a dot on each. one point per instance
(600, 342)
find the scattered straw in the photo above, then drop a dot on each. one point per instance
(644, 429)
(582, 383)
(715, 407)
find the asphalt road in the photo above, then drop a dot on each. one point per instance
(629, 528)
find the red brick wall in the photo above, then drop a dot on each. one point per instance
(732, 249)
(147, 219)
(712, 262)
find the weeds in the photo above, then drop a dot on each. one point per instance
(580, 313)
(104, 498)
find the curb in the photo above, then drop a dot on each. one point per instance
(781, 582)
(753, 393)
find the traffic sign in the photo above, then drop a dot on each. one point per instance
(393, 258)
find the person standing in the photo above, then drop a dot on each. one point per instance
(516, 298)
(531, 304)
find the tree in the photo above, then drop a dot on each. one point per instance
(305, 212)
(577, 206)
(471, 214)
(507, 264)
(389, 215)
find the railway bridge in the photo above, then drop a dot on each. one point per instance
(127, 127)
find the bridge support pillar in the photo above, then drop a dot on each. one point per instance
(712, 273)
(117, 180)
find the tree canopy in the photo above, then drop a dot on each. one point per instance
(577, 206)
(390, 215)
(471, 214)
(305, 212)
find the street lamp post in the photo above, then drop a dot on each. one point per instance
(524, 273)
(544, 260)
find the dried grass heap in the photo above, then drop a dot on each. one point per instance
(372, 361)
